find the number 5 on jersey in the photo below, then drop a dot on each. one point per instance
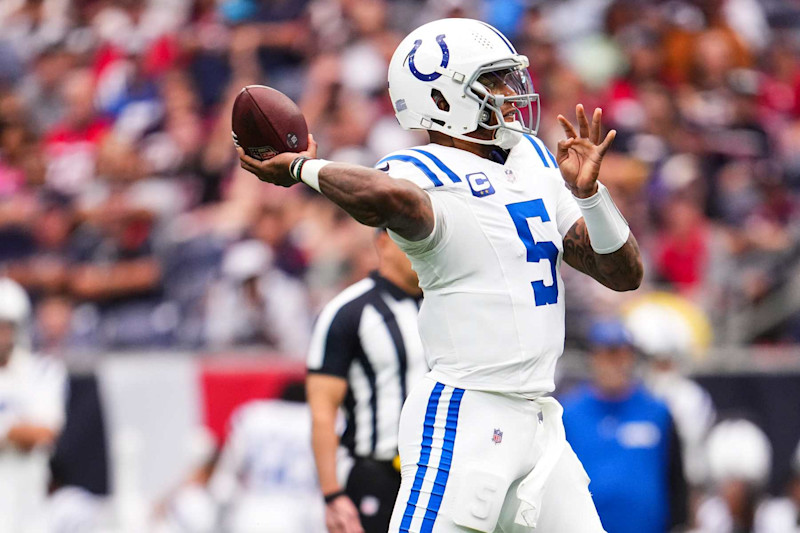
(520, 213)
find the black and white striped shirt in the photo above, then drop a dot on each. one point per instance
(368, 335)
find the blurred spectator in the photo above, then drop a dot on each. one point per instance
(72, 145)
(626, 440)
(739, 458)
(683, 252)
(54, 330)
(117, 270)
(256, 303)
(42, 263)
(32, 410)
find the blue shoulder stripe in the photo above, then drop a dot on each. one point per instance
(551, 156)
(417, 163)
(538, 150)
(438, 162)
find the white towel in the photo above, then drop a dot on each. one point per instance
(531, 489)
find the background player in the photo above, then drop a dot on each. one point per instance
(32, 412)
(261, 481)
(366, 354)
(477, 208)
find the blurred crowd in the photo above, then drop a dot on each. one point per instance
(124, 212)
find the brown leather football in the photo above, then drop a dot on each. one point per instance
(266, 122)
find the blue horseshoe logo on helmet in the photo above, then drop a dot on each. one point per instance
(433, 75)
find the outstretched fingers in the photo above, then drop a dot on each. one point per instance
(569, 129)
(594, 132)
(583, 122)
(606, 144)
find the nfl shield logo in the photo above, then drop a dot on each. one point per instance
(262, 152)
(497, 438)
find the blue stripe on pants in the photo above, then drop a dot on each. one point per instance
(424, 456)
(440, 483)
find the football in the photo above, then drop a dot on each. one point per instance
(266, 123)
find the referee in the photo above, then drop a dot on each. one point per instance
(365, 355)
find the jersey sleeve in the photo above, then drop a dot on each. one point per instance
(437, 236)
(419, 167)
(567, 211)
(334, 341)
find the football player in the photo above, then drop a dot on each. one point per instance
(32, 412)
(487, 215)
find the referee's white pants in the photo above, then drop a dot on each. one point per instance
(465, 453)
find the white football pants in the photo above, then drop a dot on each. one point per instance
(463, 456)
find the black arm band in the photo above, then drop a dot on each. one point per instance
(333, 495)
(296, 167)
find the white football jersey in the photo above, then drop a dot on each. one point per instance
(32, 391)
(493, 313)
(266, 470)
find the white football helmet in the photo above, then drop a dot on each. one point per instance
(738, 449)
(462, 61)
(15, 307)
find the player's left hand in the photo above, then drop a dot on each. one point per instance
(276, 169)
(579, 156)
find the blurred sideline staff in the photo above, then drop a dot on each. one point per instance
(667, 330)
(366, 355)
(626, 439)
(32, 413)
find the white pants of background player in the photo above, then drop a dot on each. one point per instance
(464, 454)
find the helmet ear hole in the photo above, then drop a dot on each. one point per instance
(439, 99)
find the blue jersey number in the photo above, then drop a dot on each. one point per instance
(520, 213)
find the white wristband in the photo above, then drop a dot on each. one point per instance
(608, 229)
(309, 172)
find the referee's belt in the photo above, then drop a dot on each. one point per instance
(392, 463)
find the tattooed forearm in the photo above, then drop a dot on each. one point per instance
(621, 270)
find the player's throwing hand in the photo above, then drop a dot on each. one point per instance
(579, 156)
(276, 169)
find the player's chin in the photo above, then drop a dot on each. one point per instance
(482, 134)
